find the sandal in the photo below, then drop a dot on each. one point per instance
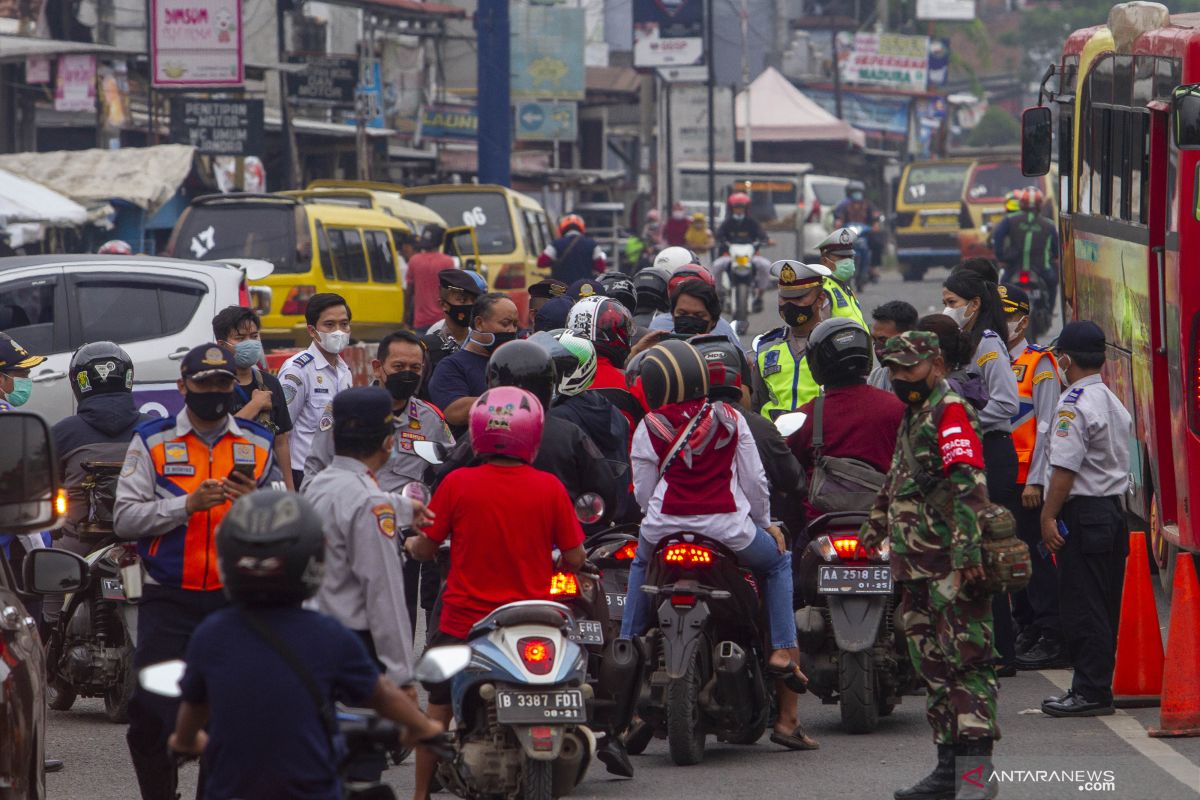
(798, 739)
(790, 675)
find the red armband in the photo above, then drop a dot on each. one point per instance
(957, 439)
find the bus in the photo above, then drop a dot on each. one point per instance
(1129, 219)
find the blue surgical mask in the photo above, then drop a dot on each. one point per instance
(247, 353)
(856, 196)
(22, 388)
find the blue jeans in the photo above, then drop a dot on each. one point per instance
(761, 555)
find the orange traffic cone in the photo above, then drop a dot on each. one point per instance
(1137, 678)
(1180, 711)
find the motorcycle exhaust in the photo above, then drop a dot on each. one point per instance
(572, 761)
(733, 689)
(810, 628)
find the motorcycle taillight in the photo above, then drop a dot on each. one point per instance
(1024, 278)
(626, 552)
(688, 555)
(537, 653)
(564, 585)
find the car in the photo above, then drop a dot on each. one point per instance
(28, 504)
(819, 196)
(156, 308)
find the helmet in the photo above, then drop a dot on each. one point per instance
(854, 186)
(1012, 202)
(525, 365)
(507, 421)
(673, 258)
(839, 351)
(673, 372)
(606, 323)
(618, 286)
(633, 369)
(100, 368)
(115, 247)
(739, 199)
(571, 221)
(728, 369)
(576, 375)
(1031, 199)
(691, 272)
(650, 286)
(699, 216)
(271, 549)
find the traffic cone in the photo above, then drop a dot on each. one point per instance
(1137, 678)
(1180, 711)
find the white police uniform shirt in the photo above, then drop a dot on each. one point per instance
(309, 383)
(1091, 438)
(880, 378)
(993, 363)
(363, 583)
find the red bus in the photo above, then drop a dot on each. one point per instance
(1130, 224)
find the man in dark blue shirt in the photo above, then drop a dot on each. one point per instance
(459, 378)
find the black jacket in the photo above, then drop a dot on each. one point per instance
(740, 231)
(102, 419)
(782, 468)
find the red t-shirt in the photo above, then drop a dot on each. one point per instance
(503, 523)
(423, 269)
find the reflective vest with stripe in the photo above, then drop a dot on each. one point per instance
(186, 557)
(1025, 423)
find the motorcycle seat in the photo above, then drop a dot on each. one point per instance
(522, 614)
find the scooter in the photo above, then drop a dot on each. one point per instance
(740, 280)
(863, 276)
(520, 698)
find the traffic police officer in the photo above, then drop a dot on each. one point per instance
(1039, 646)
(363, 587)
(936, 556)
(312, 378)
(179, 477)
(837, 253)
(1083, 518)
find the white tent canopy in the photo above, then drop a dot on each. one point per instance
(779, 112)
(23, 200)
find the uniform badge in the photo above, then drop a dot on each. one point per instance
(214, 357)
(414, 424)
(385, 516)
(1019, 371)
(1042, 376)
(320, 379)
(414, 437)
(175, 452)
(1064, 427)
(787, 274)
(771, 363)
(243, 453)
(289, 393)
(326, 417)
(986, 357)
(131, 465)
(293, 378)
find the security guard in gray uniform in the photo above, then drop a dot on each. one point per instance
(1083, 518)
(363, 587)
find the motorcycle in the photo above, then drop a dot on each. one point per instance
(739, 288)
(863, 276)
(1041, 311)
(706, 657)
(520, 697)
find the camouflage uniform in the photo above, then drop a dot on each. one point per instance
(948, 625)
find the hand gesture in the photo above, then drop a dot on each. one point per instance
(261, 399)
(237, 485)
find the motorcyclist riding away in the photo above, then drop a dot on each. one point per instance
(1030, 242)
(574, 255)
(741, 228)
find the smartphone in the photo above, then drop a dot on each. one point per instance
(246, 470)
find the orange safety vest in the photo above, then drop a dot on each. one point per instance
(186, 557)
(1025, 423)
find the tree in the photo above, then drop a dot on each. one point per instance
(996, 128)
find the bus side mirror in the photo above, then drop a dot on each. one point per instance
(1185, 117)
(1036, 140)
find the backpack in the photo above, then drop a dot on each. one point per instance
(97, 495)
(839, 484)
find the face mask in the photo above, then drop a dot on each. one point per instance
(959, 315)
(461, 315)
(209, 406)
(247, 353)
(739, 217)
(690, 326)
(843, 270)
(911, 392)
(795, 315)
(503, 337)
(856, 196)
(402, 385)
(1062, 373)
(1018, 330)
(333, 341)
(677, 215)
(22, 388)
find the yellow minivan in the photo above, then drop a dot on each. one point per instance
(314, 247)
(991, 178)
(511, 228)
(929, 204)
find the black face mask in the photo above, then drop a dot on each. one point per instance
(402, 385)
(795, 315)
(690, 326)
(911, 392)
(503, 337)
(209, 406)
(460, 315)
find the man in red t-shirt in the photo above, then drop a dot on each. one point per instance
(424, 300)
(504, 518)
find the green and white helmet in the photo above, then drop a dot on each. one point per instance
(574, 381)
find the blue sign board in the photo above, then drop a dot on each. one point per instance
(538, 121)
(445, 123)
(865, 111)
(547, 44)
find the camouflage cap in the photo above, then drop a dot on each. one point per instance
(911, 347)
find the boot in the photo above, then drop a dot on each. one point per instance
(937, 785)
(974, 770)
(611, 752)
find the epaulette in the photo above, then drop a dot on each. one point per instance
(1037, 348)
(431, 407)
(769, 336)
(1074, 395)
(990, 334)
(303, 360)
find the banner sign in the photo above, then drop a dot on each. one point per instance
(547, 51)
(218, 127)
(547, 122)
(668, 33)
(442, 123)
(887, 59)
(867, 112)
(75, 84)
(958, 10)
(196, 43)
(324, 81)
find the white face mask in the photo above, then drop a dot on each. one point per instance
(333, 341)
(1062, 371)
(959, 315)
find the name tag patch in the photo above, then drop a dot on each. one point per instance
(186, 470)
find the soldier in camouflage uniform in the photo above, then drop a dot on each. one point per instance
(928, 516)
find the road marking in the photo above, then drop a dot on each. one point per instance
(1128, 728)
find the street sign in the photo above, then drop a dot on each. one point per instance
(443, 123)
(547, 51)
(668, 33)
(324, 81)
(540, 121)
(959, 10)
(218, 127)
(196, 44)
(892, 60)
(692, 74)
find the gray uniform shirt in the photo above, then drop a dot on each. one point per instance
(363, 586)
(880, 378)
(1091, 438)
(309, 383)
(1046, 392)
(994, 365)
(418, 421)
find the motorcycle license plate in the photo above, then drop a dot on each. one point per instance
(520, 706)
(616, 605)
(854, 580)
(587, 631)
(111, 589)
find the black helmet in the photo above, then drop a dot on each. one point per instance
(673, 372)
(839, 352)
(271, 549)
(525, 365)
(728, 369)
(100, 368)
(618, 286)
(650, 287)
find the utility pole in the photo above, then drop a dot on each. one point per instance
(291, 164)
(494, 90)
(837, 74)
(748, 146)
(710, 60)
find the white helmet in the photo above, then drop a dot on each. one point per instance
(673, 258)
(574, 382)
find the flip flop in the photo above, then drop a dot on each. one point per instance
(796, 740)
(789, 676)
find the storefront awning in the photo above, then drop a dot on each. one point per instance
(23, 200)
(16, 48)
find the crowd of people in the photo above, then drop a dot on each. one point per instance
(287, 490)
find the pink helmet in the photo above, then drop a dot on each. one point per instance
(507, 421)
(115, 247)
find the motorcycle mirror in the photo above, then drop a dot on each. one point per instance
(787, 424)
(589, 508)
(433, 452)
(440, 664)
(415, 490)
(162, 678)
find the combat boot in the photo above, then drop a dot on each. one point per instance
(937, 785)
(974, 771)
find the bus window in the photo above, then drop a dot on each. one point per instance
(1066, 158)
(379, 254)
(1166, 77)
(1117, 163)
(1122, 80)
(1143, 81)
(1100, 81)
(1139, 167)
(349, 261)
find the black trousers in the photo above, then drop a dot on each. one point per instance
(1000, 464)
(1091, 571)
(1036, 606)
(297, 478)
(166, 619)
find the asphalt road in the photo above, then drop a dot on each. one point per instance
(870, 766)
